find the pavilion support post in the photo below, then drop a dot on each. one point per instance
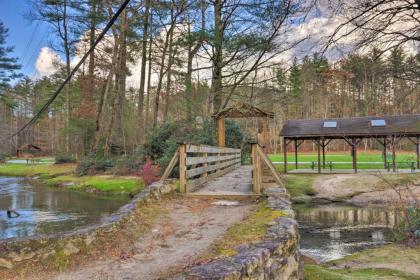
(318, 144)
(354, 154)
(285, 154)
(394, 164)
(385, 152)
(296, 153)
(221, 131)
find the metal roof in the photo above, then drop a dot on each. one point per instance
(354, 126)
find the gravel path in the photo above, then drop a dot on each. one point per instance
(177, 238)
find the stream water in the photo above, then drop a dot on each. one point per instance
(46, 210)
(333, 231)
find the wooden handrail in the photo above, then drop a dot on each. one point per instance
(197, 167)
(259, 158)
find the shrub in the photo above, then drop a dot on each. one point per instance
(149, 172)
(408, 229)
(64, 159)
(91, 165)
(126, 165)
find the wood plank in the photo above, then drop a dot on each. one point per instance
(193, 184)
(256, 170)
(170, 166)
(211, 149)
(200, 170)
(198, 160)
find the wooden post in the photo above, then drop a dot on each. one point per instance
(296, 154)
(285, 154)
(418, 151)
(323, 153)
(394, 164)
(256, 169)
(318, 144)
(354, 154)
(221, 131)
(182, 168)
(385, 159)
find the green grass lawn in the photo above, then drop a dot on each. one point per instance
(62, 174)
(343, 160)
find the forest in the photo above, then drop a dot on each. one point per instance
(178, 62)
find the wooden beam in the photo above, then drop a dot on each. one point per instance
(170, 166)
(354, 154)
(256, 169)
(394, 164)
(318, 145)
(385, 153)
(285, 154)
(221, 131)
(182, 169)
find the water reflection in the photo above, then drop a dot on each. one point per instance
(45, 210)
(332, 231)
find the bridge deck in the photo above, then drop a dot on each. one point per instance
(236, 182)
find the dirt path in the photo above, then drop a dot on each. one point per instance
(177, 238)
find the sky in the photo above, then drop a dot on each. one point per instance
(27, 38)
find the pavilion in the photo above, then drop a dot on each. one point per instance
(387, 130)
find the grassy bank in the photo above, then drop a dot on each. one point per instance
(387, 262)
(252, 228)
(62, 175)
(300, 184)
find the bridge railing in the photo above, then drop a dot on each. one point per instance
(199, 164)
(260, 161)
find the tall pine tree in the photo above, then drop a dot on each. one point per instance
(8, 66)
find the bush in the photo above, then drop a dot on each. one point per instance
(64, 159)
(408, 230)
(91, 165)
(149, 172)
(126, 165)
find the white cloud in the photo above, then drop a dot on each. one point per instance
(47, 62)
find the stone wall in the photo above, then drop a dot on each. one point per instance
(15, 251)
(276, 257)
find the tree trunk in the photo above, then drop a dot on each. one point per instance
(143, 67)
(216, 85)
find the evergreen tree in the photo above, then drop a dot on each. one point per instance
(294, 78)
(8, 66)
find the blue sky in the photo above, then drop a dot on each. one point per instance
(25, 36)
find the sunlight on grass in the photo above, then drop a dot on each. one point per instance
(62, 174)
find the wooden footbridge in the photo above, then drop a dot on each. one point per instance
(209, 170)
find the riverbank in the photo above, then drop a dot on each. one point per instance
(385, 261)
(62, 175)
(388, 262)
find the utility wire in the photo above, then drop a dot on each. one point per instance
(57, 92)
